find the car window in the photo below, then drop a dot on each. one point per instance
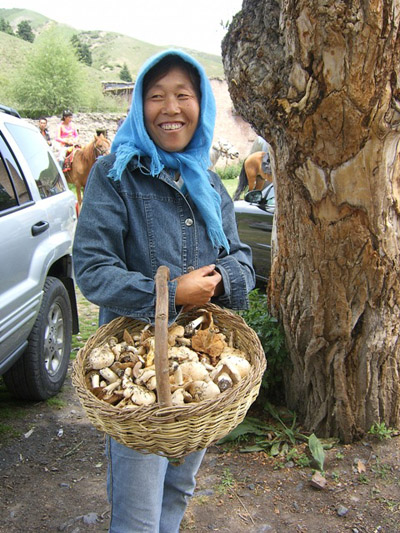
(7, 193)
(42, 166)
(270, 197)
(14, 190)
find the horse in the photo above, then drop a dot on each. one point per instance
(255, 174)
(82, 161)
(222, 148)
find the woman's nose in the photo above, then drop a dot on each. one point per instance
(171, 105)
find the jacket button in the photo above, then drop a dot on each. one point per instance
(189, 222)
(190, 268)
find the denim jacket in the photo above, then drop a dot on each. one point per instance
(128, 228)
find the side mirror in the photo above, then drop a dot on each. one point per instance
(253, 197)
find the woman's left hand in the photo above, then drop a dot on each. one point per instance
(198, 287)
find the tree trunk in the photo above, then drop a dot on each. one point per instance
(318, 80)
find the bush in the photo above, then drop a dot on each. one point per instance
(272, 339)
(230, 172)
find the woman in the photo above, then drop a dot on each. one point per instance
(67, 136)
(153, 202)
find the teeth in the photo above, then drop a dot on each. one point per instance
(171, 126)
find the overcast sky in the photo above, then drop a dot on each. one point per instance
(192, 24)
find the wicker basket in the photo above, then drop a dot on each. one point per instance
(178, 430)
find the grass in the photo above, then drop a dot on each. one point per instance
(88, 323)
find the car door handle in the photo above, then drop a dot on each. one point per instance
(40, 227)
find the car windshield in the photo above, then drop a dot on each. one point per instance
(42, 165)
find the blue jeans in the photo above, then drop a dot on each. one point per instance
(147, 493)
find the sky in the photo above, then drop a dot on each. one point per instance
(194, 24)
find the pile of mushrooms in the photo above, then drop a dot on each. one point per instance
(202, 364)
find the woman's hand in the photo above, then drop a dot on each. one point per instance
(198, 287)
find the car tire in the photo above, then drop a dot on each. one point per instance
(40, 372)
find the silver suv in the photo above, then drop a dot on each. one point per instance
(38, 311)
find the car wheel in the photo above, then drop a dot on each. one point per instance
(40, 372)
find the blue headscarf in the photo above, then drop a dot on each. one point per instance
(132, 140)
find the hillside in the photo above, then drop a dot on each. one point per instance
(109, 50)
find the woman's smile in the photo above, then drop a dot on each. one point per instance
(171, 110)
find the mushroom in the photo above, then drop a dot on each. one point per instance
(111, 388)
(194, 371)
(201, 390)
(182, 353)
(190, 328)
(140, 395)
(95, 380)
(178, 375)
(128, 338)
(100, 357)
(174, 332)
(147, 378)
(180, 396)
(224, 381)
(209, 340)
(238, 367)
(150, 344)
(108, 375)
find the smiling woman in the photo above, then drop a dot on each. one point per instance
(154, 202)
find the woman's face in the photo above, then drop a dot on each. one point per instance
(171, 110)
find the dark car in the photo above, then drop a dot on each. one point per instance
(255, 218)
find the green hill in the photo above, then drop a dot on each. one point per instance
(109, 50)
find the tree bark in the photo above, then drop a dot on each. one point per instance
(318, 80)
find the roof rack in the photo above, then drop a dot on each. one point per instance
(9, 111)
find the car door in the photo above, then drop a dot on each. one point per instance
(21, 230)
(255, 221)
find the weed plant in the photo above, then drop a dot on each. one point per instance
(272, 339)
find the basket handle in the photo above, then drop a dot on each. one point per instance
(161, 337)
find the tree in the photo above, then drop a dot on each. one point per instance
(51, 78)
(83, 50)
(124, 74)
(24, 31)
(5, 26)
(319, 81)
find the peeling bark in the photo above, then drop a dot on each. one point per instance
(318, 80)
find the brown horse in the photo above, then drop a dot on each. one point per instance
(255, 173)
(83, 160)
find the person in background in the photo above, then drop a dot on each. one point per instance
(43, 130)
(153, 202)
(67, 136)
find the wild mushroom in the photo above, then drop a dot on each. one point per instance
(175, 331)
(182, 353)
(238, 367)
(224, 381)
(100, 357)
(201, 390)
(191, 327)
(150, 345)
(180, 396)
(111, 388)
(194, 371)
(108, 375)
(147, 378)
(141, 396)
(209, 340)
(178, 375)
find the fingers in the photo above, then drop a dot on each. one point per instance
(197, 287)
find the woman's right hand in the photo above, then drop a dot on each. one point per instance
(198, 287)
